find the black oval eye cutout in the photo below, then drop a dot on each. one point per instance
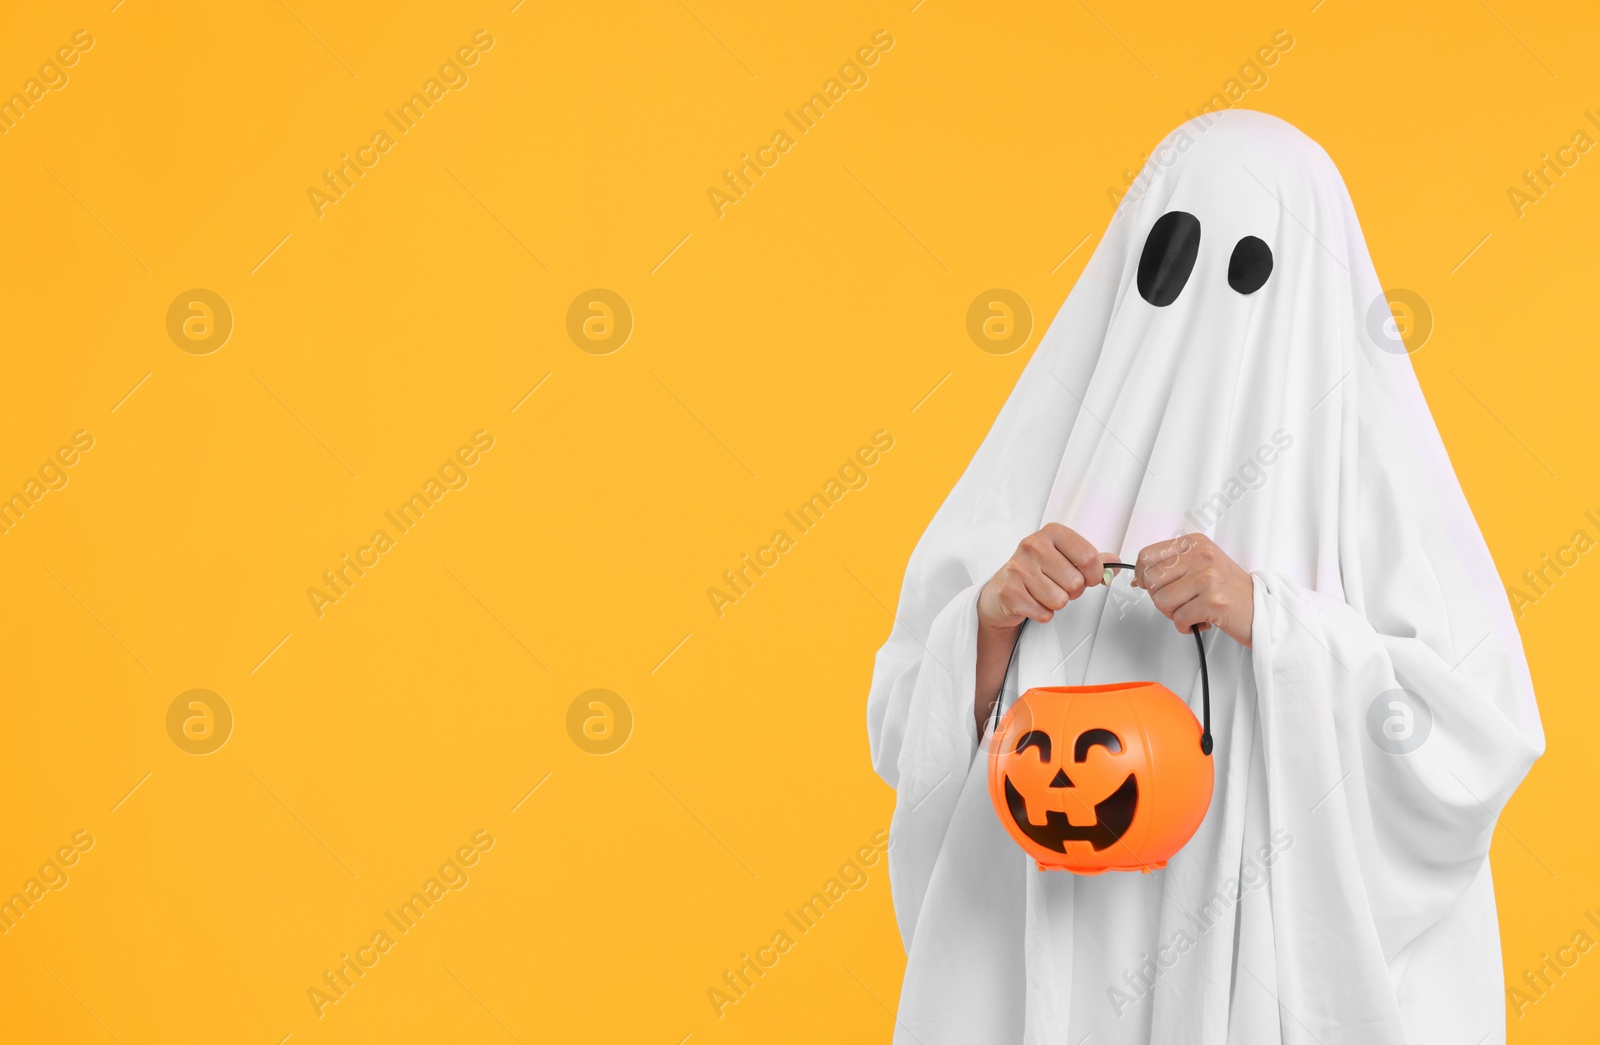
(1095, 738)
(1168, 257)
(1035, 738)
(1250, 265)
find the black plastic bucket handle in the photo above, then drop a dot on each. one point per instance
(1205, 678)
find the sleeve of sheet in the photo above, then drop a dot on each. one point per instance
(919, 711)
(1396, 722)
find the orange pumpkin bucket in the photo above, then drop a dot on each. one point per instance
(1113, 777)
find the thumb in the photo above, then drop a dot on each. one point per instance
(1106, 573)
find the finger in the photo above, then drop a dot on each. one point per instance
(1106, 574)
(1098, 573)
(1174, 594)
(1160, 563)
(1045, 591)
(1083, 555)
(1149, 557)
(1195, 613)
(1059, 569)
(1016, 601)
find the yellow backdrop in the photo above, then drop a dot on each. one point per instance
(390, 391)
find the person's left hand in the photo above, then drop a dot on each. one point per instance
(1194, 584)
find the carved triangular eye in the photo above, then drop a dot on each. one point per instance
(1168, 257)
(1250, 265)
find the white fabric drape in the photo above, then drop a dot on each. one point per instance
(1338, 889)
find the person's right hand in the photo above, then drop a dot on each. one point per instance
(1049, 570)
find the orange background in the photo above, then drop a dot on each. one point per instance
(369, 744)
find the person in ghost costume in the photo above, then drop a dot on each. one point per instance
(1218, 397)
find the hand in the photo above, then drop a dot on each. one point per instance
(1049, 570)
(1195, 585)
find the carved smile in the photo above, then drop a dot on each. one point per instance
(1111, 819)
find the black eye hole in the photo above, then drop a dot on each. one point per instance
(1168, 257)
(1096, 738)
(1038, 739)
(1250, 265)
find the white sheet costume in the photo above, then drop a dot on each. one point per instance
(1339, 888)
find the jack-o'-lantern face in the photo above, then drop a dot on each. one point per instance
(1111, 815)
(1099, 778)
